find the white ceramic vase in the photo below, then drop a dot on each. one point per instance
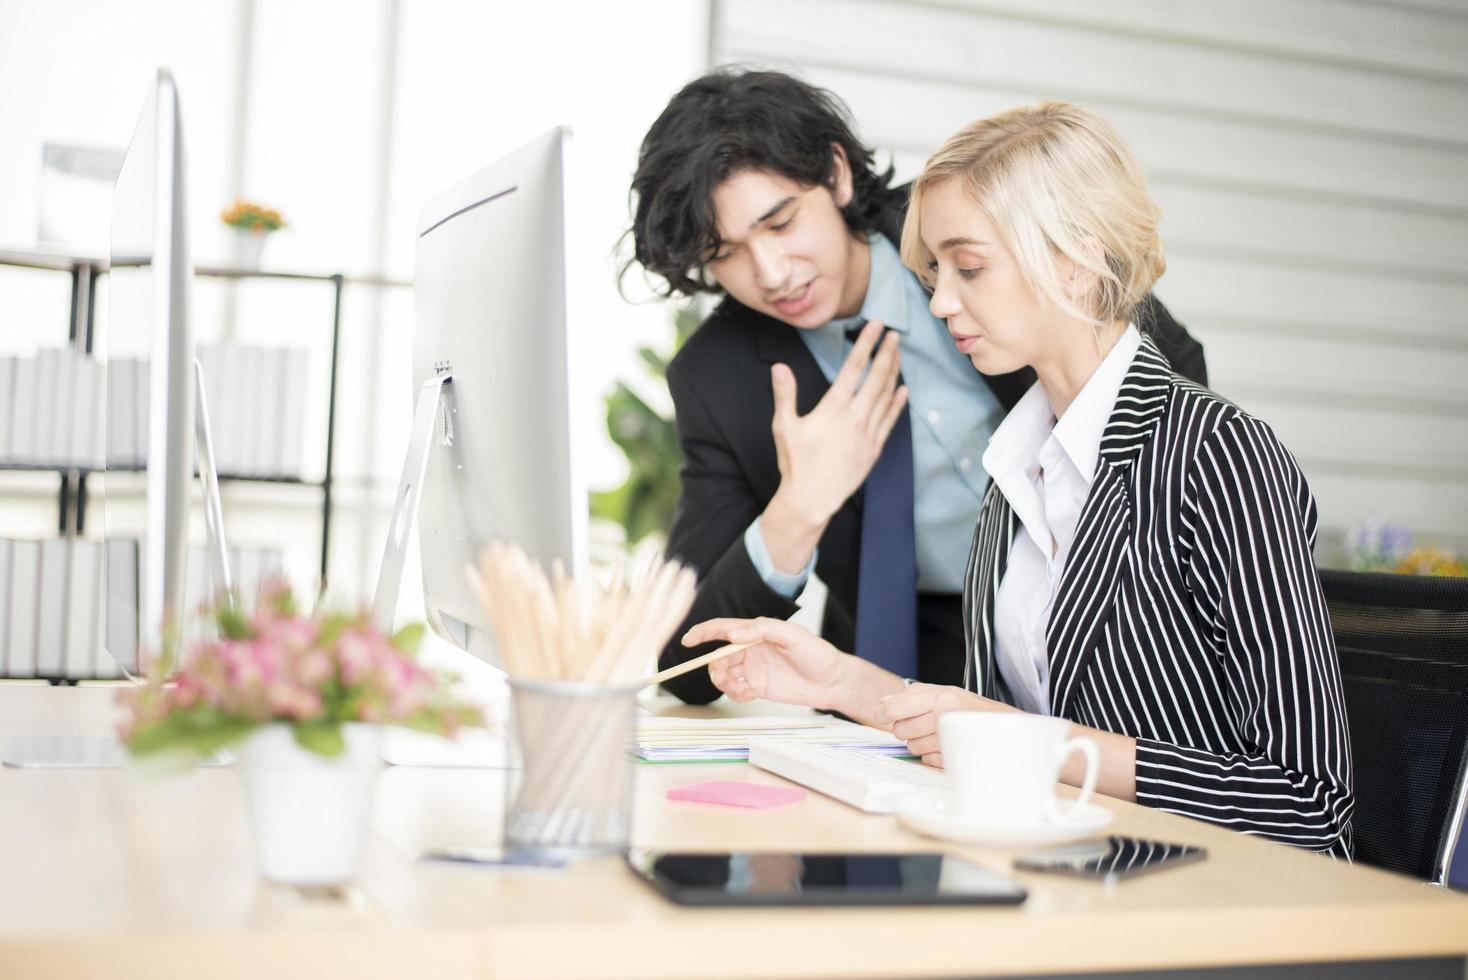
(248, 245)
(309, 813)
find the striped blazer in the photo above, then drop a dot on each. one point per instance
(1190, 616)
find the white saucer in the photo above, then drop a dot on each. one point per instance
(929, 815)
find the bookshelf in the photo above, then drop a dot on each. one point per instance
(84, 273)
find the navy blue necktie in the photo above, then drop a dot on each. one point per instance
(886, 591)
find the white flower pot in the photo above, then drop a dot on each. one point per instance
(308, 813)
(247, 248)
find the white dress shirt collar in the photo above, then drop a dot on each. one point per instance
(1014, 450)
(1045, 470)
(1080, 429)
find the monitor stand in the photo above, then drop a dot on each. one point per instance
(401, 747)
(105, 751)
(405, 506)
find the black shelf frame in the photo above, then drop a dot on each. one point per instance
(84, 272)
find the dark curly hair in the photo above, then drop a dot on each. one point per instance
(720, 124)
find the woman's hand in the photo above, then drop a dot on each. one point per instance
(912, 715)
(784, 662)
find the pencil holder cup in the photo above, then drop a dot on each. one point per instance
(574, 792)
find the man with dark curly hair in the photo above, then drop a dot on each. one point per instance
(827, 421)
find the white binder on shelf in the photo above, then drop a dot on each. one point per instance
(208, 356)
(293, 401)
(25, 573)
(252, 408)
(23, 410)
(143, 395)
(120, 605)
(7, 396)
(64, 424)
(51, 609)
(83, 606)
(5, 550)
(272, 563)
(121, 399)
(48, 377)
(247, 575)
(272, 411)
(227, 422)
(196, 584)
(85, 414)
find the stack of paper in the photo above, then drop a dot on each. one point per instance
(727, 739)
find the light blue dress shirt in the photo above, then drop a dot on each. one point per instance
(953, 415)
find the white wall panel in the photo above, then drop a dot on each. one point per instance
(978, 48)
(1391, 37)
(913, 116)
(1309, 157)
(1200, 280)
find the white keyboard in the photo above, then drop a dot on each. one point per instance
(866, 780)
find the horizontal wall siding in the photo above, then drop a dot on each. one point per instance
(1309, 158)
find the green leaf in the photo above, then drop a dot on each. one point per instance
(332, 628)
(685, 321)
(646, 502)
(425, 720)
(322, 737)
(409, 638)
(232, 622)
(201, 731)
(610, 505)
(655, 362)
(285, 603)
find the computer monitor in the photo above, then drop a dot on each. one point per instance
(147, 349)
(146, 346)
(491, 310)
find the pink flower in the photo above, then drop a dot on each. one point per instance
(269, 658)
(307, 704)
(403, 703)
(315, 668)
(185, 694)
(354, 656)
(285, 672)
(281, 695)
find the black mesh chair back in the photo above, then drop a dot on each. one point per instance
(1403, 643)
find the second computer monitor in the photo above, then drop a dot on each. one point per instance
(147, 347)
(491, 307)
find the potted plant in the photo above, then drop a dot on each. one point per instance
(645, 502)
(301, 699)
(251, 223)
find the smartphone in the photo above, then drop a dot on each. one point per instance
(790, 878)
(1111, 859)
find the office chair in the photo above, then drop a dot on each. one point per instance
(1403, 644)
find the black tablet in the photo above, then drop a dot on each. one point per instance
(784, 878)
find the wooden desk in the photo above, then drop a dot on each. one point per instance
(114, 874)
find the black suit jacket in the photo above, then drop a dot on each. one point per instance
(724, 404)
(1190, 616)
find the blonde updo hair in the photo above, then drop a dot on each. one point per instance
(1055, 179)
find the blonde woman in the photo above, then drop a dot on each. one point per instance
(1142, 562)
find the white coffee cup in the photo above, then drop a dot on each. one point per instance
(1002, 766)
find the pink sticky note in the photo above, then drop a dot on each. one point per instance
(727, 792)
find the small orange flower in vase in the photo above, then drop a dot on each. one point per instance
(251, 223)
